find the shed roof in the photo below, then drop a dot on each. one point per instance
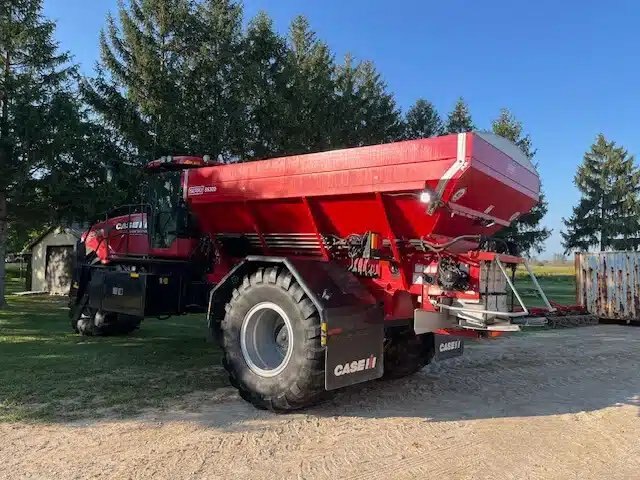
(76, 232)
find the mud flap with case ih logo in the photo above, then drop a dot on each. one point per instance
(447, 346)
(352, 322)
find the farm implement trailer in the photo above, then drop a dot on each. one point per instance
(324, 270)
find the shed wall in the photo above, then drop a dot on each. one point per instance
(39, 256)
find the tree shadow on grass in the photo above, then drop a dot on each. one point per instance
(48, 373)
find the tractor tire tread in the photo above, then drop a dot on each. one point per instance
(308, 388)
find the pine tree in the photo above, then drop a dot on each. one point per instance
(214, 87)
(170, 80)
(137, 90)
(459, 120)
(365, 113)
(422, 121)
(607, 215)
(35, 92)
(266, 75)
(311, 96)
(349, 104)
(525, 232)
(380, 119)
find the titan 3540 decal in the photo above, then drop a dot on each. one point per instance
(355, 366)
(200, 189)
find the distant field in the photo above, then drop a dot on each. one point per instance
(557, 281)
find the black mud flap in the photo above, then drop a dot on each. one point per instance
(354, 355)
(352, 322)
(447, 346)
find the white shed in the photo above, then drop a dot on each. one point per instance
(52, 260)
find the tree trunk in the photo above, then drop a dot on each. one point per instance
(3, 246)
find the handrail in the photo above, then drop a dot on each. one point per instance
(525, 310)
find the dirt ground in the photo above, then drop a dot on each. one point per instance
(553, 404)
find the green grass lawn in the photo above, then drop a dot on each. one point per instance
(557, 281)
(49, 373)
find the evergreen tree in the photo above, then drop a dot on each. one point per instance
(422, 121)
(526, 231)
(607, 215)
(35, 93)
(181, 76)
(380, 119)
(459, 120)
(349, 105)
(169, 80)
(214, 88)
(365, 113)
(266, 75)
(311, 96)
(137, 91)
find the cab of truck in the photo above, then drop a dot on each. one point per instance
(161, 227)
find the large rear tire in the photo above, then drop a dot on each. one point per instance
(272, 342)
(407, 353)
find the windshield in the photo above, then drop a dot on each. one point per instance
(167, 207)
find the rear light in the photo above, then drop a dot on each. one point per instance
(427, 196)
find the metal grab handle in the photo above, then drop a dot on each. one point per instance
(487, 312)
(540, 291)
(513, 287)
(525, 310)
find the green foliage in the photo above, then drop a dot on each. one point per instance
(526, 232)
(607, 215)
(183, 77)
(265, 84)
(459, 120)
(139, 91)
(365, 112)
(311, 95)
(422, 121)
(46, 139)
(179, 76)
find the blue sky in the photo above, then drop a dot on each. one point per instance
(567, 69)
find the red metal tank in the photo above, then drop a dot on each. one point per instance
(464, 184)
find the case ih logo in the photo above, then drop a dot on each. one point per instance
(355, 366)
(448, 346)
(135, 225)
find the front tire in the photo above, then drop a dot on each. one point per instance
(272, 342)
(104, 324)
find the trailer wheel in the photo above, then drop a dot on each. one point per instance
(271, 341)
(407, 353)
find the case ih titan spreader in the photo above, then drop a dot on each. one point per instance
(319, 271)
